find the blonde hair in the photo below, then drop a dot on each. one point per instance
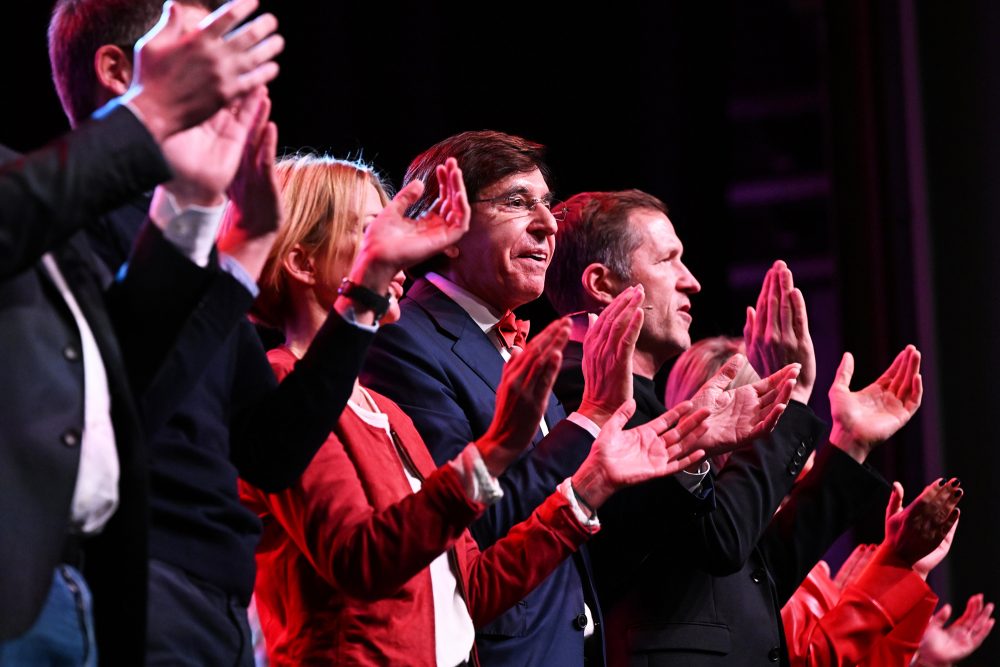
(321, 198)
(699, 363)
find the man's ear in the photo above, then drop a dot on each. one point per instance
(299, 265)
(600, 284)
(113, 68)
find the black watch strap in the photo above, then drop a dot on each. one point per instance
(361, 295)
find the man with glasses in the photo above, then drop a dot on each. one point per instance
(442, 363)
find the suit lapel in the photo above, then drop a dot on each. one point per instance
(471, 344)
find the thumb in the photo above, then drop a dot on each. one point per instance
(620, 417)
(725, 375)
(895, 501)
(406, 197)
(845, 371)
(168, 27)
(942, 615)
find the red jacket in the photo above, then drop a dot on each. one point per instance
(877, 620)
(343, 562)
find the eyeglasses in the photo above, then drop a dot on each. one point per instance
(515, 202)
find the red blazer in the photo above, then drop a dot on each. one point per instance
(877, 620)
(343, 562)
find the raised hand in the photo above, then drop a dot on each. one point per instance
(206, 157)
(394, 242)
(924, 566)
(658, 448)
(865, 418)
(741, 414)
(777, 331)
(607, 355)
(914, 532)
(183, 76)
(254, 213)
(523, 396)
(944, 646)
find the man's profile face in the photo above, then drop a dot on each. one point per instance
(657, 265)
(503, 257)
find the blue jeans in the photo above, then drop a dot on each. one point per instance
(63, 634)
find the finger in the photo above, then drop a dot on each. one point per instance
(169, 26)
(895, 504)
(597, 332)
(251, 34)
(906, 382)
(630, 334)
(769, 388)
(259, 76)
(773, 318)
(903, 376)
(845, 371)
(748, 328)
(685, 426)
(787, 314)
(972, 609)
(697, 456)
(761, 311)
(886, 378)
(916, 393)
(942, 615)
(769, 421)
(227, 17)
(666, 421)
(462, 210)
(267, 153)
(800, 315)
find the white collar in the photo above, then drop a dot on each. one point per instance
(476, 308)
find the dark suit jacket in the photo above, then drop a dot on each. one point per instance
(684, 582)
(439, 366)
(45, 199)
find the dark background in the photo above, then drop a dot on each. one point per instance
(854, 139)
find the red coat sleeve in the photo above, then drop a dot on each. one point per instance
(512, 567)
(883, 598)
(364, 552)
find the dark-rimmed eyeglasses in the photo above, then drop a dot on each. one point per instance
(515, 202)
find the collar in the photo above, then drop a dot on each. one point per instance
(477, 309)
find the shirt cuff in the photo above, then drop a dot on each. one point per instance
(591, 523)
(692, 480)
(351, 318)
(585, 423)
(480, 486)
(232, 266)
(192, 229)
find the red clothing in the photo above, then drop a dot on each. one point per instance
(877, 620)
(343, 562)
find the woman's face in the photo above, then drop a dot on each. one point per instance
(371, 206)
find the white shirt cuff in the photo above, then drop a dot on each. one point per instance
(692, 480)
(232, 266)
(192, 230)
(480, 486)
(592, 523)
(585, 423)
(351, 317)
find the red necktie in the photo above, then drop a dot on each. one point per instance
(512, 331)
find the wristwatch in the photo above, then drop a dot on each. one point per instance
(361, 295)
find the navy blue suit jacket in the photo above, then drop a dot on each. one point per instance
(440, 367)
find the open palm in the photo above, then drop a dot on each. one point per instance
(400, 242)
(741, 414)
(876, 412)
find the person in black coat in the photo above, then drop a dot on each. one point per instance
(694, 571)
(73, 478)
